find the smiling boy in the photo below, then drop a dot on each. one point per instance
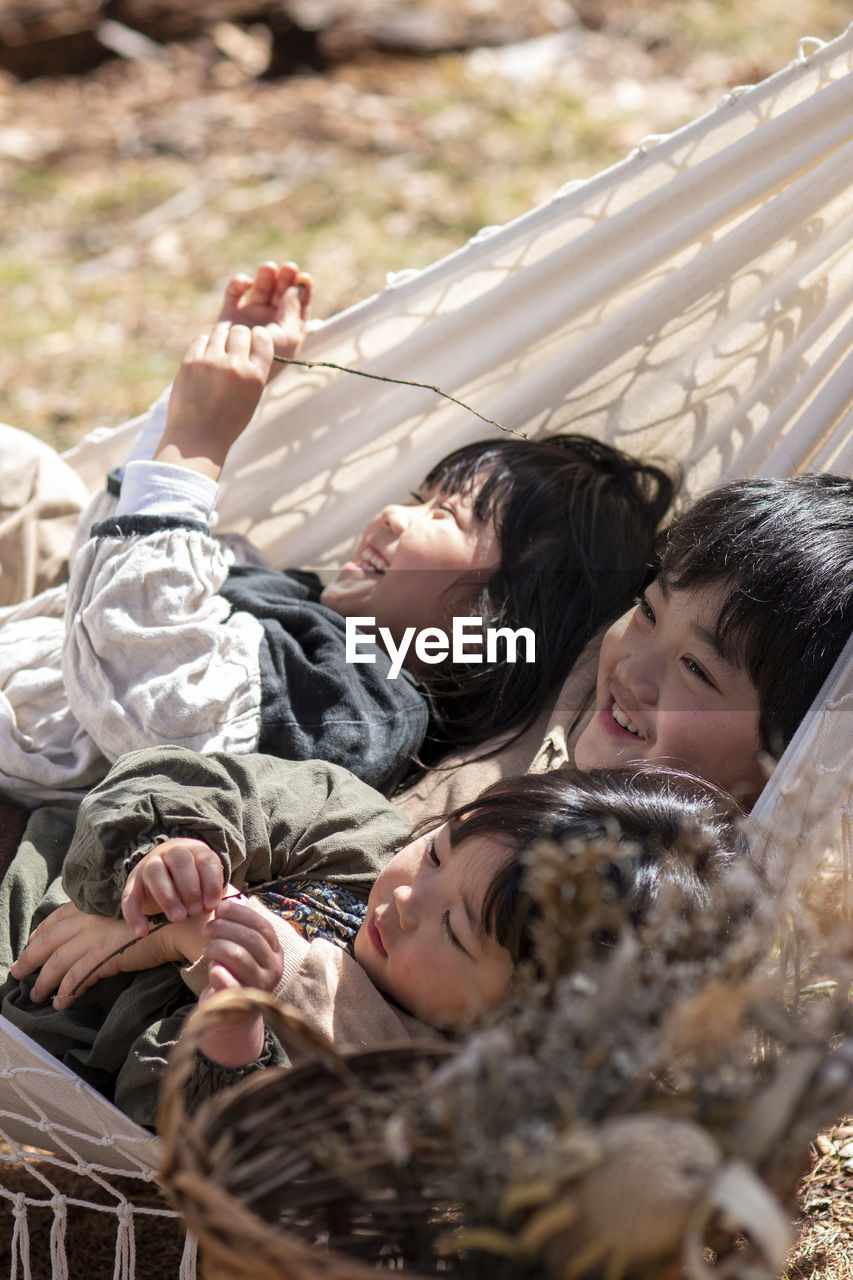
(719, 661)
(666, 692)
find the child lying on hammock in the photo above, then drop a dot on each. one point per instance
(157, 639)
(719, 660)
(437, 919)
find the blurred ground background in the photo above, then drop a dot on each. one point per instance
(129, 192)
(131, 189)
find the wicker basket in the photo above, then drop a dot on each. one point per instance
(284, 1160)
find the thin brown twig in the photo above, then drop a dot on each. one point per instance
(125, 946)
(248, 892)
(401, 382)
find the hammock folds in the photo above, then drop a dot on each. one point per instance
(693, 302)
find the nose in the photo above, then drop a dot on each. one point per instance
(396, 517)
(638, 673)
(405, 902)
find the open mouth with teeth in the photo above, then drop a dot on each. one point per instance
(368, 562)
(623, 719)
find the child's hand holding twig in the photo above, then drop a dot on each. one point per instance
(279, 298)
(214, 395)
(73, 950)
(179, 878)
(242, 950)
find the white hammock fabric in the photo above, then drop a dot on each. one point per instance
(694, 301)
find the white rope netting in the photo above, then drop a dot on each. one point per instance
(694, 301)
(56, 1132)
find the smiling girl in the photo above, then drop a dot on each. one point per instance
(159, 638)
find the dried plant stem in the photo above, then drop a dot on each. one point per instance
(402, 382)
(125, 946)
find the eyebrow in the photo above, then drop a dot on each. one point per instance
(707, 636)
(710, 639)
(474, 918)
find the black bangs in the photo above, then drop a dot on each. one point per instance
(482, 466)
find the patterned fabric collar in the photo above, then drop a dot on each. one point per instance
(317, 909)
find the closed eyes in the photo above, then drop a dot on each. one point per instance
(452, 937)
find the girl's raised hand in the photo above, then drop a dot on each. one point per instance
(241, 938)
(180, 878)
(279, 297)
(214, 395)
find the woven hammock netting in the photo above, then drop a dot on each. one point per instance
(694, 302)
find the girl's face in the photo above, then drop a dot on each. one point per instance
(408, 557)
(666, 693)
(423, 941)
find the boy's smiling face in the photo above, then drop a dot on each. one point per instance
(666, 693)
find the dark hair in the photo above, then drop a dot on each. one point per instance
(678, 836)
(577, 522)
(780, 552)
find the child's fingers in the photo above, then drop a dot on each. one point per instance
(217, 339)
(262, 349)
(175, 878)
(219, 978)
(264, 285)
(224, 938)
(239, 921)
(241, 936)
(161, 894)
(132, 899)
(290, 277)
(293, 311)
(154, 885)
(44, 940)
(77, 978)
(306, 292)
(255, 346)
(238, 908)
(286, 277)
(235, 290)
(238, 340)
(197, 348)
(211, 878)
(242, 963)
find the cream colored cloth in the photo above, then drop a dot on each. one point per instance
(41, 499)
(547, 744)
